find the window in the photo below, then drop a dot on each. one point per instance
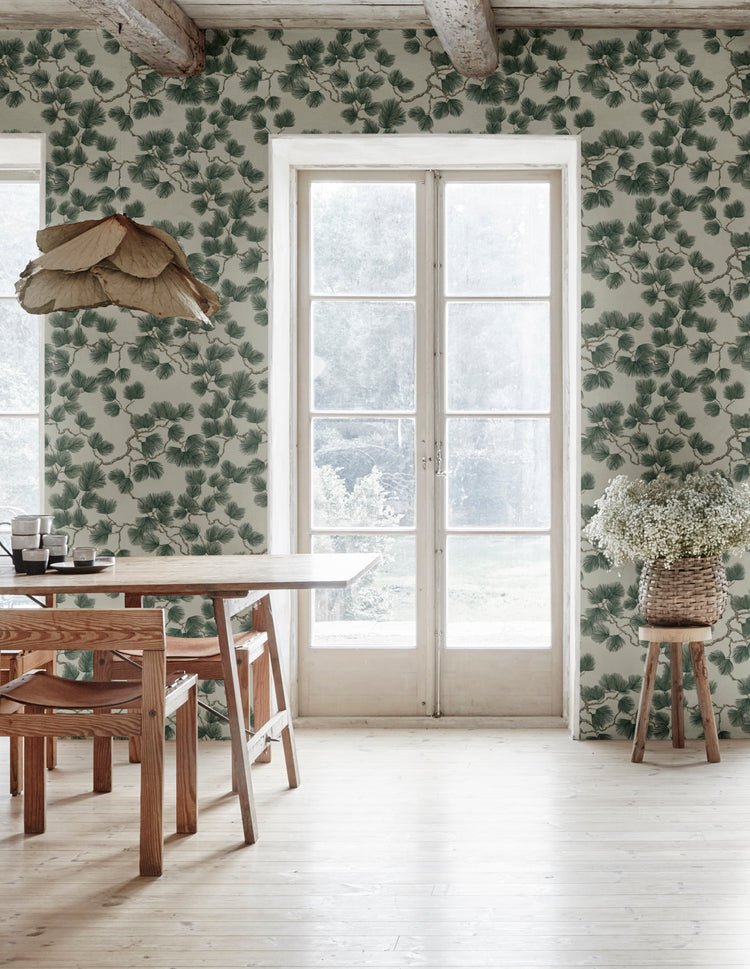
(21, 335)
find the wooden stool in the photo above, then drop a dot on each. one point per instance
(697, 637)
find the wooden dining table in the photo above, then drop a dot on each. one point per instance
(234, 583)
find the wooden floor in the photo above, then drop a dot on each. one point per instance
(402, 848)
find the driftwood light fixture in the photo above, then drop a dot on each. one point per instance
(113, 261)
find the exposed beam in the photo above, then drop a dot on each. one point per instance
(158, 31)
(385, 14)
(466, 29)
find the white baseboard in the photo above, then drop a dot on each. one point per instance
(436, 723)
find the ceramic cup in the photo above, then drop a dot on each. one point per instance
(45, 524)
(25, 525)
(84, 555)
(58, 547)
(53, 541)
(18, 562)
(18, 542)
(34, 560)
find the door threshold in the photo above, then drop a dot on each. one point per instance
(438, 723)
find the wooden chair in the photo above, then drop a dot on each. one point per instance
(14, 663)
(201, 657)
(28, 704)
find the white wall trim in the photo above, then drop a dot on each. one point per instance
(291, 153)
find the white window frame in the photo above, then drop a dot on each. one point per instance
(291, 153)
(22, 158)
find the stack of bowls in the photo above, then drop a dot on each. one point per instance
(33, 546)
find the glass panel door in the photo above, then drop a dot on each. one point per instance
(429, 432)
(358, 419)
(498, 514)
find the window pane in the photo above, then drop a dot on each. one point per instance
(19, 339)
(363, 472)
(497, 239)
(498, 356)
(498, 592)
(498, 473)
(379, 610)
(17, 602)
(363, 355)
(19, 203)
(363, 238)
(19, 469)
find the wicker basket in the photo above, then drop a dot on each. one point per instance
(691, 592)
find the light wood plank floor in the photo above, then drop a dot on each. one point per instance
(402, 848)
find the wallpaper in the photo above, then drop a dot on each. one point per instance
(157, 430)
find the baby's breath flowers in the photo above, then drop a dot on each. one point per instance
(701, 516)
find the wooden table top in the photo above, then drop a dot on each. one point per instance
(230, 576)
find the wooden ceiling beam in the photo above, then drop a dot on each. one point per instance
(157, 31)
(466, 29)
(384, 14)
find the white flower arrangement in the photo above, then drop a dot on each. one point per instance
(701, 516)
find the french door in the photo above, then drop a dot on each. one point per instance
(429, 420)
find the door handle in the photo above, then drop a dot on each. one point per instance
(439, 473)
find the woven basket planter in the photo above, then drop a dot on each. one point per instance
(691, 592)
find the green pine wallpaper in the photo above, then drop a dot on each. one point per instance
(157, 430)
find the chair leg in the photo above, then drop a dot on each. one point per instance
(134, 601)
(678, 695)
(152, 763)
(187, 764)
(644, 710)
(51, 748)
(35, 786)
(16, 765)
(50, 602)
(102, 745)
(698, 656)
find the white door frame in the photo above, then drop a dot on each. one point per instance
(290, 153)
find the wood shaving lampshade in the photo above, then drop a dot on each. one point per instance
(113, 261)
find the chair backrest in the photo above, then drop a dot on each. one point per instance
(71, 629)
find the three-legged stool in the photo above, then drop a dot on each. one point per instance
(697, 637)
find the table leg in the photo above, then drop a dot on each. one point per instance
(262, 696)
(644, 710)
(678, 693)
(265, 622)
(698, 656)
(240, 757)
